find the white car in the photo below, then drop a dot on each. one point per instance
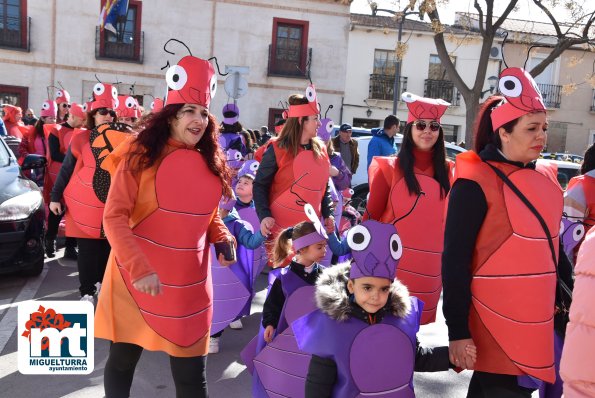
(566, 170)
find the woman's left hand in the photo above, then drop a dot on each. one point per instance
(224, 262)
(333, 171)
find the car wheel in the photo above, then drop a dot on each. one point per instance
(35, 270)
(359, 200)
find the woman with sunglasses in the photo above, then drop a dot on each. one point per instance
(416, 181)
(161, 216)
(63, 101)
(501, 246)
(84, 195)
(294, 171)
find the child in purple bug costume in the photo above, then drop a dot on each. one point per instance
(363, 336)
(230, 137)
(233, 285)
(291, 295)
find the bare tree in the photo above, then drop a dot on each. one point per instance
(579, 32)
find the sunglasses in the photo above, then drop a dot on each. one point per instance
(421, 125)
(65, 105)
(105, 112)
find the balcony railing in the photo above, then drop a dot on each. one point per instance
(552, 95)
(593, 102)
(443, 89)
(382, 86)
(15, 39)
(118, 51)
(286, 68)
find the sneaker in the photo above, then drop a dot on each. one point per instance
(214, 345)
(50, 248)
(236, 325)
(71, 253)
(88, 298)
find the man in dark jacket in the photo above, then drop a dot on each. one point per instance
(347, 147)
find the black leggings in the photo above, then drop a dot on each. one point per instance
(493, 385)
(52, 231)
(189, 374)
(92, 260)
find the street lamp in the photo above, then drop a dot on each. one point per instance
(400, 21)
(369, 112)
(492, 81)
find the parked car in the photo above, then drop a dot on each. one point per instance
(355, 131)
(566, 170)
(568, 157)
(22, 215)
(359, 181)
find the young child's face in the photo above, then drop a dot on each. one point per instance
(313, 253)
(370, 293)
(244, 188)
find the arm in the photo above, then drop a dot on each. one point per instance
(263, 182)
(23, 148)
(373, 150)
(271, 310)
(467, 208)
(326, 206)
(355, 155)
(116, 217)
(249, 239)
(343, 180)
(321, 378)
(54, 145)
(379, 192)
(63, 176)
(431, 359)
(339, 248)
(217, 231)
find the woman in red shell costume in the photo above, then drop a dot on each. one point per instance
(501, 246)
(294, 171)
(161, 216)
(416, 181)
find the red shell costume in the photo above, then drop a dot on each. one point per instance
(513, 277)
(420, 266)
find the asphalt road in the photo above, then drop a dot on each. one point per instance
(227, 376)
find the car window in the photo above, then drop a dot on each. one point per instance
(565, 174)
(4, 155)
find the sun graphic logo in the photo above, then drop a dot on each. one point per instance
(56, 337)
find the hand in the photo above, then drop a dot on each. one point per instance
(333, 171)
(264, 230)
(268, 333)
(462, 353)
(56, 208)
(224, 262)
(149, 284)
(268, 223)
(329, 225)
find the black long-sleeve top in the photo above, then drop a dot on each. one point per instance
(322, 372)
(54, 144)
(264, 180)
(63, 177)
(467, 208)
(271, 310)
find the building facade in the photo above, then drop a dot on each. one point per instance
(275, 45)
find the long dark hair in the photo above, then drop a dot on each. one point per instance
(589, 160)
(484, 129)
(406, 161)
(38, 127)
(90, 121)
(150, 143)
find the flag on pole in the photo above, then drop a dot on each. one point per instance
(113, 11)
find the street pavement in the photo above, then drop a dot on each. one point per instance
(227, 376)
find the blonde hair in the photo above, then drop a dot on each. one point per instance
(283, 244)
(290, 136)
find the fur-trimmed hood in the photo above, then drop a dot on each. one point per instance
(332, 296)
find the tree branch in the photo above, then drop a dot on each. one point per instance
(547, 12)
(505, 14)
(480, 12)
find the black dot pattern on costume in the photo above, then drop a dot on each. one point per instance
(101, 178)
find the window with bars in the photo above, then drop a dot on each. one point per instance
(436, 71)
(14, 24)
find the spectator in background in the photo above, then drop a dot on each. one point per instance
(29, 118)
(265, 135)
(250, 147)
(383, 140)
(255, 138)
(347, 147)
